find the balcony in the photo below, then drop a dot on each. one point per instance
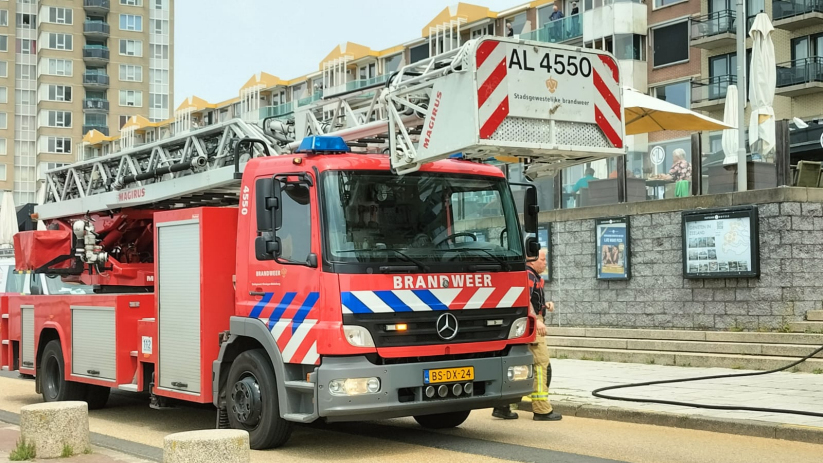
(800, 77)
(710, 94)
(309, 99)
(96, 29)
(791, 15)
(565, 30)
(95, 105)
(714, 30)
(277, 110)
(97, 6)
(100, 128)
(95, 80)
(95, 54)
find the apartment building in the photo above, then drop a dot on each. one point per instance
(71, 68)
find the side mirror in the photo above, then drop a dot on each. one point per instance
(532, 247)
(263, 201)
(267, 247)
(276, 210)
(530, 210)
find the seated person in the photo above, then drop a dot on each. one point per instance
(584, 181)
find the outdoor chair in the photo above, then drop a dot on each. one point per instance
(808, 173)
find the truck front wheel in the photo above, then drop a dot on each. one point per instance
(442, 420)
(54, 385)
(252, 402)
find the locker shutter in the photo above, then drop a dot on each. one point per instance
(93, 346)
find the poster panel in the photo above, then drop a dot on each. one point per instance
(612, 252)
(721, 243)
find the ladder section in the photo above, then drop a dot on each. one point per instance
(192, 169)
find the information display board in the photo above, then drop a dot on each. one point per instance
(721, 243)
(612, 240)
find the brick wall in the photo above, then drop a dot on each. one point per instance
(657, 296)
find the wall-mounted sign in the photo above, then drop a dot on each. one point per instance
(544, 236)
(721, 243)
(612, 239)
(658, 155)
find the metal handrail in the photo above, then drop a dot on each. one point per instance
(783, 9)
(800, 71)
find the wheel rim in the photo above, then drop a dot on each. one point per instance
(52, 383)
(247, 401)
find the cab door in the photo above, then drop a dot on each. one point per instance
(285, 287)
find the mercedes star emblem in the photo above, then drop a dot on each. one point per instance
(446, 326)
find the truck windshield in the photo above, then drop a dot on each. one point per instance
(56, 285)
(419, 218)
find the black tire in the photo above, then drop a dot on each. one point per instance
(97, 396)
(252, 401)
(442, 420)
(53, 385)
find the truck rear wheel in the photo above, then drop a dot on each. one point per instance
(54, 385)
(442, 420)
(252, 402)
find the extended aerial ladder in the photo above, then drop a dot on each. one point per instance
(492, 96)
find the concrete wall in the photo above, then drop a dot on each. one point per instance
(657, 296)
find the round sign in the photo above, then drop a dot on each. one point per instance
(658, 155)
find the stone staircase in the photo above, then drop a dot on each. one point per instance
(813, 323)
(738, 350)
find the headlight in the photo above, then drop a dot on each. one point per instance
(358, 336)
(519, 372)
(354, 386)
(519, 327)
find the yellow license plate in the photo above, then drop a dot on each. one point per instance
(448, 375)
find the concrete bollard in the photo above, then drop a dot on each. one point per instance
(55, 427)
(207, 446)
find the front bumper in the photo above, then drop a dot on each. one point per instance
(401, 392)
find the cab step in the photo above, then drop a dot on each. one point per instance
(300, 417)
(304, 386)
(128, 387)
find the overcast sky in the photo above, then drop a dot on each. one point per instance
(220, 44)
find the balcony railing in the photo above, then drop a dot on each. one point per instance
(277, 110)
(365, 83)
(713, 88)
(783, 9)
(96, 27)
(800, 71)
(98, 5)
(100, 128)
(96, 52)
(558, 31)
(96, 79)
(719, 22)
(96, 104)
(310, 99)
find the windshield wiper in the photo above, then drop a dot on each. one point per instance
(505, 265)
(403, 255)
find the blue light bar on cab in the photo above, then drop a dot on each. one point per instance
(323, 144)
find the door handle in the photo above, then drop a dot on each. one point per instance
(179, 384)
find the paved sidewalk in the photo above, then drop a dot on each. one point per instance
(10, 434)
(574, 380)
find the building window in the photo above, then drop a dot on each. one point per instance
(630, 46)
(131, 73)
(26, 21)
(59, 145)
(25, 71)
(671, 44)
(98, 120)
(60, 15)
(25, 97)
(132, 2)
(3, 151)
(4, 43)
(392, 63)
(158, 51)
(60, 41)
(676, 93)
(4, 68)
(59, 67)
(59, 93)
(518, 23)
(26, 46)
(159, 26)
(131, 98)
(131, 22)
(162, 102)
(662, 3)
(58, 119)
(4, 17)
(418, 53)
(4, 123)
(123, 120)
(488, 29)
(161, 4)
(131, 47)
(2, 171)
(4, 94)
(159, 76)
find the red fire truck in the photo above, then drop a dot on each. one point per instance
(285, 278)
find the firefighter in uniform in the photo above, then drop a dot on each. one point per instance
(541, 406)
